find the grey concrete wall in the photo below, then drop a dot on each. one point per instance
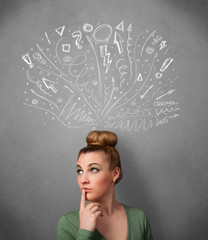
(165, 166)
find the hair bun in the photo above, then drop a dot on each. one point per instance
(101, 138)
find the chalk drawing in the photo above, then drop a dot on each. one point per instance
(60, 30)
(39, 58)
(66, 47)
(102, 33)
(162, 45)
(106, 57)
(118, 40)
(87, 27)
(46, 35)
(78, 36)
(102, 76)
(166, 64)
(120, 26)
(49, 84)
(28, 60)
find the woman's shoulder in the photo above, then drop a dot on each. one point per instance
(138, 222)
(72, 214)
(70, 217)
(134, 212)
(68, 225)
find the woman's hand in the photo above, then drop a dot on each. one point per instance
(88, 213)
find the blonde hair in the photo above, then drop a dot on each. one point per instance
(104, 141)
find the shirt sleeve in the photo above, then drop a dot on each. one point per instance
(68, 231)
(147, 230)
(84, 235)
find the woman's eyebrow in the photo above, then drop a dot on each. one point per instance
(91, 164)
(94, 164)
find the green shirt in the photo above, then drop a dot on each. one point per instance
(138, 227)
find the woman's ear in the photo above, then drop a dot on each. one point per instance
(116, 173)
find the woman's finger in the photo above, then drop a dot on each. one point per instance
(91, 205)
(95, 209)
(98, 213)
(83, 199)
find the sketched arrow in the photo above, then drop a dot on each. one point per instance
(118, 41)
(129, 29)
(167, 93)
(49, 84)
(143, 95)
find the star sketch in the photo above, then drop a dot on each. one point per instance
(102, 77)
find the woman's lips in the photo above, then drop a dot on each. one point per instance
(87, 189)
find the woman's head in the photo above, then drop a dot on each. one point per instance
(104, 141)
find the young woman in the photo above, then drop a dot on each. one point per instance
(99, 169)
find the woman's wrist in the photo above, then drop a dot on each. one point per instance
(85, 234)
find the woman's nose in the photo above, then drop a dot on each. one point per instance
(84, 178)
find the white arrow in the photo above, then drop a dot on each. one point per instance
(118, 41)
(143, 95)
(49, 84)
(167, 93)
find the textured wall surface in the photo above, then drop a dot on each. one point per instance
(138, 68)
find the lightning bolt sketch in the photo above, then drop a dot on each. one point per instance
(106, 57)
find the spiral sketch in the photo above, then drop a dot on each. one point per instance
(102, 76)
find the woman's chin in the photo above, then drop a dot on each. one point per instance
(90, 197)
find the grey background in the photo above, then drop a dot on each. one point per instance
(165, 169)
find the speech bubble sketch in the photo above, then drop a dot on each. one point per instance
(102, 76)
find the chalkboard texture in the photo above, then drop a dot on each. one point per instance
(138, 68)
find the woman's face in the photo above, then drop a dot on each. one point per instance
(95, 176)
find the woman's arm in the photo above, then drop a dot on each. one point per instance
(68, 231)
(84, 229)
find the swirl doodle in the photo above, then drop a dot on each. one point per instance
(103, 77)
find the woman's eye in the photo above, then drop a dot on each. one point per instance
(94, 170)
(79, 171)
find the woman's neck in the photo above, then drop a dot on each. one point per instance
(109, 205)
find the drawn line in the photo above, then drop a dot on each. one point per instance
(37, 83)
(47, 38)
(32, 91)
(155, 56)
(81, 94)
(166, 64)
(111, 96)
(47, 70)
(99, 75)
(126, 125)
(72, 126)
(168, 93)
(57, 50)
(41, 50)
(143, 95)
(65, 109)
(168, 110)
(166, 51)
(129, 40)
(135, 46)
(151, 35)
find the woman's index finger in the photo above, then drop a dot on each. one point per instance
(83, 199)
